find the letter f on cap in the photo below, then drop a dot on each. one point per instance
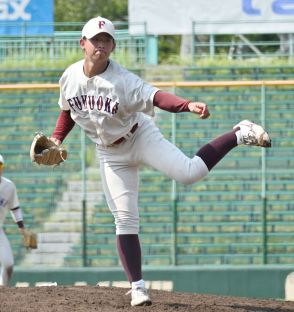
(101, 24)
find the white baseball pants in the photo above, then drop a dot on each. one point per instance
(6, 258)
(119, 166)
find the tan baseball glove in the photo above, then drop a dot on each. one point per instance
(45, 152)
(30, 239)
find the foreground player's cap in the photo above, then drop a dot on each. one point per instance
(96, 26)
(1, 159)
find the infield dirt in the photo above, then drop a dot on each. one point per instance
(111, 299)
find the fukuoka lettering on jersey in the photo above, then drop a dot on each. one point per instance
(8, 198)
(91, 103)
(106, 106)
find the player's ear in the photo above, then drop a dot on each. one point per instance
(114, 46)
(82, 43)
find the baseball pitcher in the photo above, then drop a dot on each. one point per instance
(114, 107)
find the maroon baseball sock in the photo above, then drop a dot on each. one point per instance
(215, 150)
(129, 251)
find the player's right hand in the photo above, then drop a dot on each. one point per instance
(199, 108)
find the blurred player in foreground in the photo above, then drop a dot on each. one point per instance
(8, 202)
(114, 107)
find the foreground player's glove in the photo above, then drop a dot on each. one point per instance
(45, 152)
(29, 238)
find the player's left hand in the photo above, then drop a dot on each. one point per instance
(30, 240)
(199, 108)
(44, 151)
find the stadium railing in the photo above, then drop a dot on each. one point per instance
(248, 72)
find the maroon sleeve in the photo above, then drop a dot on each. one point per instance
(63, 126)
(170, 102)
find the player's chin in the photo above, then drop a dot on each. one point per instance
(100, 57)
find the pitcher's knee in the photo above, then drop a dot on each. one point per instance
(196, 170)
(192, 177)
(127, 226)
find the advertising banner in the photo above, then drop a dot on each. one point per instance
(26, 17)
(171, 17)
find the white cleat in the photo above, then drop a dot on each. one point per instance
(253, 134)
(139, 297)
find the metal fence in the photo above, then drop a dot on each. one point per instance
(241, 46)
(64, 43)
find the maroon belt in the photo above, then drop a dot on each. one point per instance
(122, 139)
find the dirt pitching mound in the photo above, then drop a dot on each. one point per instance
(111, 299)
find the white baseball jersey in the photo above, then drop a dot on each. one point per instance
(8, 198)
(108, 105)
